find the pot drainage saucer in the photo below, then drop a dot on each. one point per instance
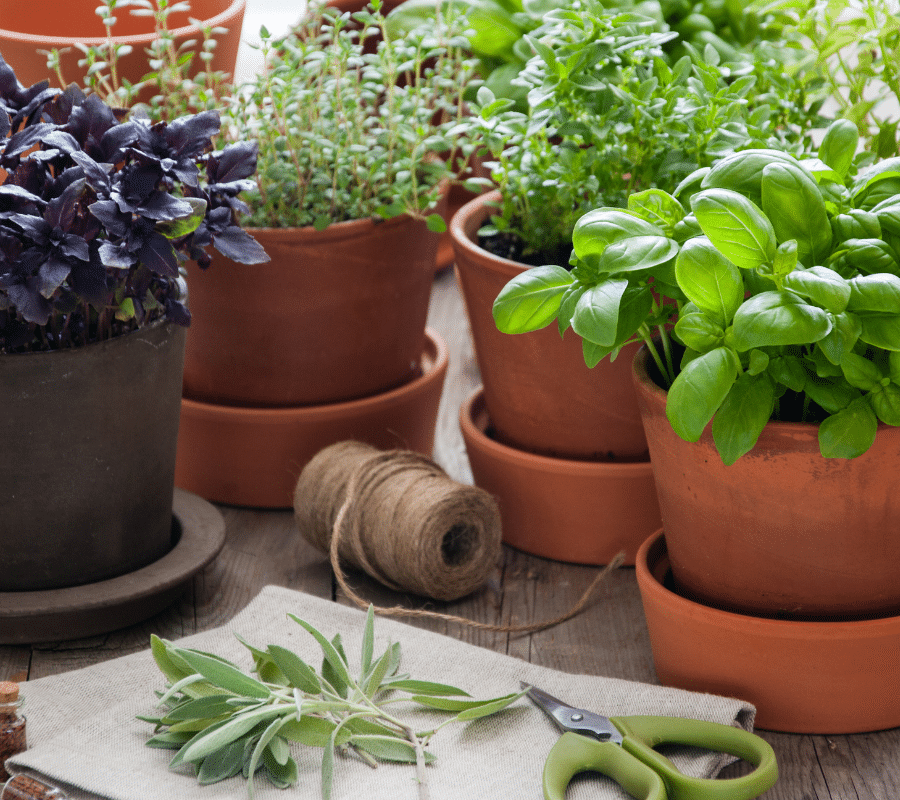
(94, 608)
(803, 677)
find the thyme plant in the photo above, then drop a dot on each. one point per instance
(351, 121)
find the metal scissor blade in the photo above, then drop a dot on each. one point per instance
(577, 720)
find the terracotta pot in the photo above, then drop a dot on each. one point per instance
(335, 315)
(538, 391)
(253, 456)
(64, 23)
(783, 531)
(579, 511)
(88, 465)
(803, 677)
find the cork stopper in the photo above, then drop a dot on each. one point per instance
(9, 692)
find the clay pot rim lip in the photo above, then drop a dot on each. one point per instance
(744, 624)
(462, 240)
(235, 8)
(774, 426)
(434, 350)
(522, 458)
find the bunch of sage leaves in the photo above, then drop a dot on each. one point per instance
(610, 114)
(784, 276)
(225, 722)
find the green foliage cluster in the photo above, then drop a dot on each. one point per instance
(224, 722)
(784, 275)
(609, 114)
(351, 121)
(850, 54)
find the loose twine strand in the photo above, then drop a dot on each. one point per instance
(396, 509)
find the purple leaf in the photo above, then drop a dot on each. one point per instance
(29, 302)
(190, 137)
(107, 212)
(116, 256)
(163, 206)
(61, 211)
(236, 162)
(158, 255)
(75, 246)
(51, 274)
(238, 245)
(88, 278)
(11, 190)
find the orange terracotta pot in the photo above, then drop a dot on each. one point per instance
(26, 28)
(253, 456)
(538, 391)
(578, 511)
(335, 315)
(782, 532)
(803, 677)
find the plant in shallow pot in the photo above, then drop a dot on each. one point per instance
(97, 217)
(344, 203)
(773, 435)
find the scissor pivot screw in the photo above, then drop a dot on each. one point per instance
(577, 717)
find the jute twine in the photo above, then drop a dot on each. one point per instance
(400, 518)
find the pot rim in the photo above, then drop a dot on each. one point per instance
(434, 355)
(235, 8)
(522, 458)
(653, 552)
(463, 227)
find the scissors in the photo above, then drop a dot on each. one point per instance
(622, 749)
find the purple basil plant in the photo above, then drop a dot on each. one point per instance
(97, 214)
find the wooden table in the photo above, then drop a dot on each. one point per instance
(609, 638)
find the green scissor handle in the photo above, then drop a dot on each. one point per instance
(648, 775)
(574, 753)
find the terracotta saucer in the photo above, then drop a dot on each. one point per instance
(253, 456)
(579, 511)
(803, 677)
(59, 614)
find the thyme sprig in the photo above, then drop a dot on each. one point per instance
(224, 722)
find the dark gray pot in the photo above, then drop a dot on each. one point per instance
(87, 459)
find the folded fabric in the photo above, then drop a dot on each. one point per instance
(84, 737)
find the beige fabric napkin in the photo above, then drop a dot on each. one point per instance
(84, 737)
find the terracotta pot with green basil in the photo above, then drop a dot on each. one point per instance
(347, 192)
(623, 115)
(97, 218)
(771, 410)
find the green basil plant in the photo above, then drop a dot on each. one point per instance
(782, 276)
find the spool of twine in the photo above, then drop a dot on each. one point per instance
(407, 524)
(397, 516)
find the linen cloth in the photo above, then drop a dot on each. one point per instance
(83, 735)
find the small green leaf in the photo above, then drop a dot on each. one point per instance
(860, 372)
(183, 226)
(387, 748)
(743, 415)
(218, 736)
(699, 332)
(792, 201)
(887, 404)
(426, 687)
(849, 432)
(596, 316)
(823, 286)
(368, 641)
(736, 226)
(636, 253)
(531, 300)
(657, 207)
(200, 708)
(839, 145)
(599, 228)
(297, 671)
(710, 281)
(435, 223)
(778, 318)
(310, 731)
(222, 764)
(330, 653)
(489, 707)
(698, 391)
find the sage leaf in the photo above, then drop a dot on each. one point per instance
(224, 675)
(221, 764)
(743, 415)
(425, 687)
(736, 226)
(267, 736)
(219, 736)
(489, 707)
(387, 748)
(849, 432)
(280, 775)
(368, 642)
(309, 730)
(200, 708)
(297, 671)
(531, 300)
(331, 654)
(698, 391)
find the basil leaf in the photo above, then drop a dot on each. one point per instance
(849, 432)
(531, 300)
(880, 292)
(699, 390)
(596, 316)
(636, 253)
(794, 204)
(788, 371)
(657, 207)
(887, 404)
(842, 337)
(778, 318)
(599, 228)
(742, 171)
(743, 415)
(839, 146)
(736, 226)
(823, 286)
(860, 372)
(881, 330)
(708, 279)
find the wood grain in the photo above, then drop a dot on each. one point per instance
(608, 638)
